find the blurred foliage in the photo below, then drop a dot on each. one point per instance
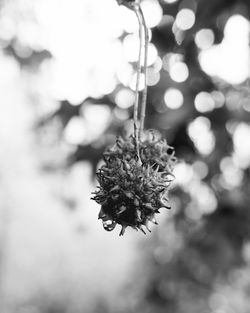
(197, 252)
(194, 251)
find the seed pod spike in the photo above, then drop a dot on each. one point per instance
(164, 202)
(150, 207)
(126, 165)
(142, 230)
(101, 214)
(153, 220)
(146, 225)
(136, 202)
(115, 197)
(115, 188)
(129, 194)
(122, 230)
(166, 207)
(138, 215)
(157, 168)
(121, 210)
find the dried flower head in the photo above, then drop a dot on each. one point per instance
(133, 188)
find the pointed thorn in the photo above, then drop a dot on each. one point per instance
(146, 225)
(104, 218)
(115, 188)
(141, 229)
(149, 206)
(115, 197)
(126, 165)
(136, 202)
(164, 202)
(157, 168)
(101, 215)
(167, 207)
(129, 195)
(122, 230)
(121, 209)
(149, 230)
(153, 220)
(138, 214)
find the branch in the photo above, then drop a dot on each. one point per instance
(144, 93)
(138, 76)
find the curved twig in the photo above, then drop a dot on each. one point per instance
(136, 9)
(144, 92)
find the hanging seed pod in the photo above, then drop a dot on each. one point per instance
(132, 190)
(137, 172)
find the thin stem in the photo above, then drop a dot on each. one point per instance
(144, 93)
(138, 76)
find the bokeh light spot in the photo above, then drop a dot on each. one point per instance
(124, 98)
(200, 168)
(242, 144)
(153, 77)
(128, 20)
(130, 47)
(192, 213)
(75, 132)
(230, 59)
(7, 28)
(218, 302)
(231, 126)
(185, 19)
(173, 98)
(204, 102)
(157, 64)
(96, 119)
(204, 197)
(204, 38)
(121, 114)
(152, 12)
(245, 103)
(183, 173)
(179, 72)
(199, 130)
(169, 59)
(166, 21)
(152, 54)
(219, 98)
(231, 175)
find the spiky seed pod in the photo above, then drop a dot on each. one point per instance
(132, 189)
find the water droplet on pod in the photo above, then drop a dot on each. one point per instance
(109, 225)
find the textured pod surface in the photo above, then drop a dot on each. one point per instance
(133, 189)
